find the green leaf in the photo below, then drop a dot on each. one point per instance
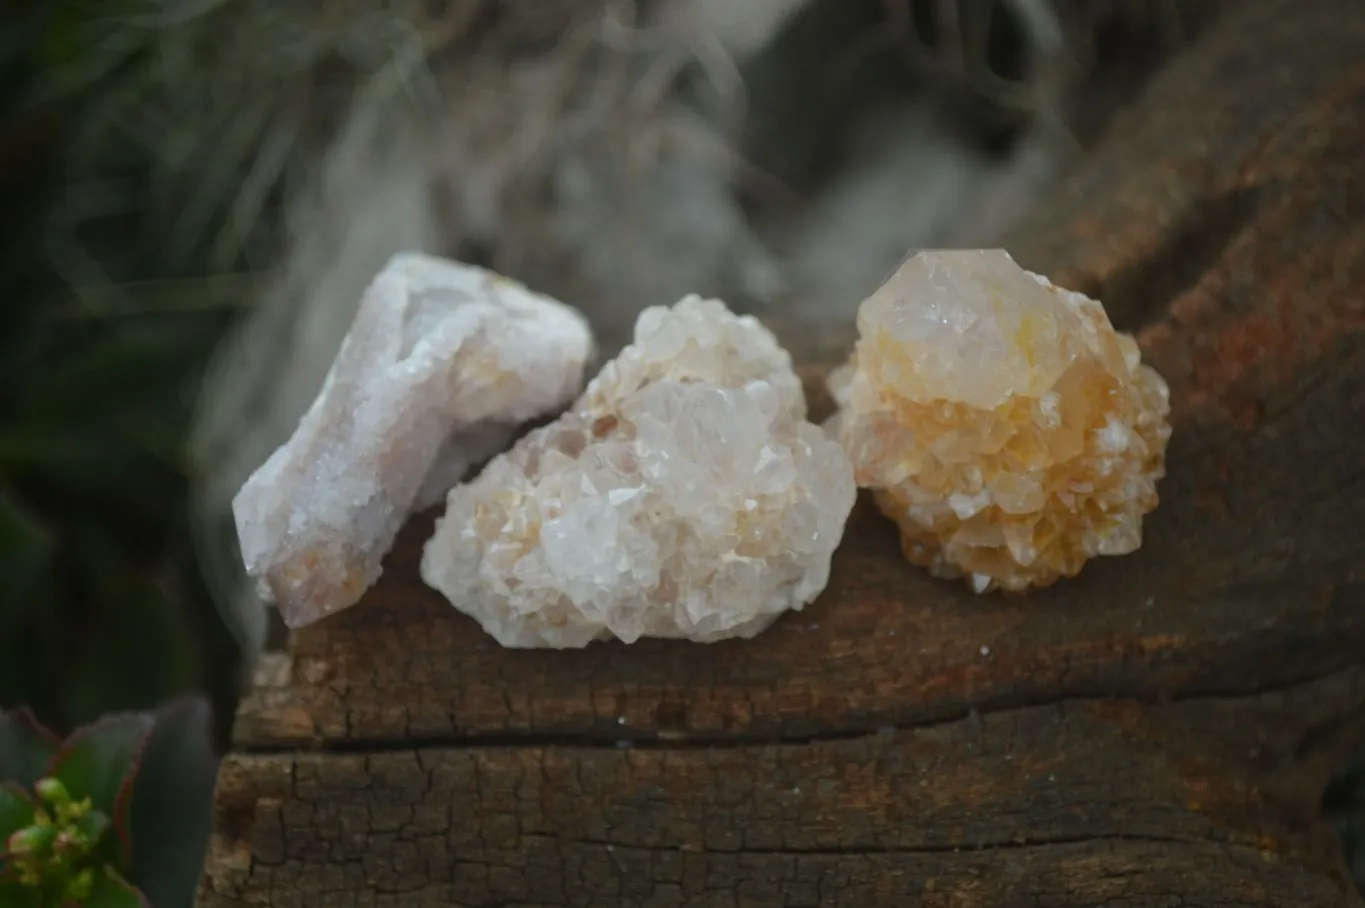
(112, 891)
(16, 810)
(100, 761)
(172, 804)
(26, 747)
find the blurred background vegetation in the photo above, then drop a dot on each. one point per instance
(103, 337)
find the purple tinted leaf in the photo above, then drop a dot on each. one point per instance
(16, 810)
(172, 803)
(100, 761)
(25, 747)
(112, 891)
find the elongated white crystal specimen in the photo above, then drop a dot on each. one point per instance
(683, 495)
(1007, 428)
(442, 361)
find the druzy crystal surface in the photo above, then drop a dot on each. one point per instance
(1006, 427)
(683, 495)
(440, 364)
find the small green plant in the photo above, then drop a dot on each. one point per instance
(115, 816)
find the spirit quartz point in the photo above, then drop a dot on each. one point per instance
(1007, 428)
(683, 495)
(441, 363)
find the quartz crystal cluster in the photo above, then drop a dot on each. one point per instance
(683, 495)
(1006, 427)
(441, 363)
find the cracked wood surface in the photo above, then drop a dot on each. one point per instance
(1157, 731)
(1079, 803)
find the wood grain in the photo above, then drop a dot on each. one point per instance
(1078, 803)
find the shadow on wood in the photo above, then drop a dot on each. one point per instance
(1158, 731)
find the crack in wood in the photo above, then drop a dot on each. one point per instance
(627, 738)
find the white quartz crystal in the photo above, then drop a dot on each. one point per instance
(683, 495)
(442, 361)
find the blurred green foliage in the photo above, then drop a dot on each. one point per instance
(101, 606)
(115, 816)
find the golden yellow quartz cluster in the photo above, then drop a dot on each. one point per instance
(1005, 425)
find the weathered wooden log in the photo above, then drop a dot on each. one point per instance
(1158, 731)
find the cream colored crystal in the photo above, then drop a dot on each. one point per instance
(442, 361)
(1006, 427)
(683, 495)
